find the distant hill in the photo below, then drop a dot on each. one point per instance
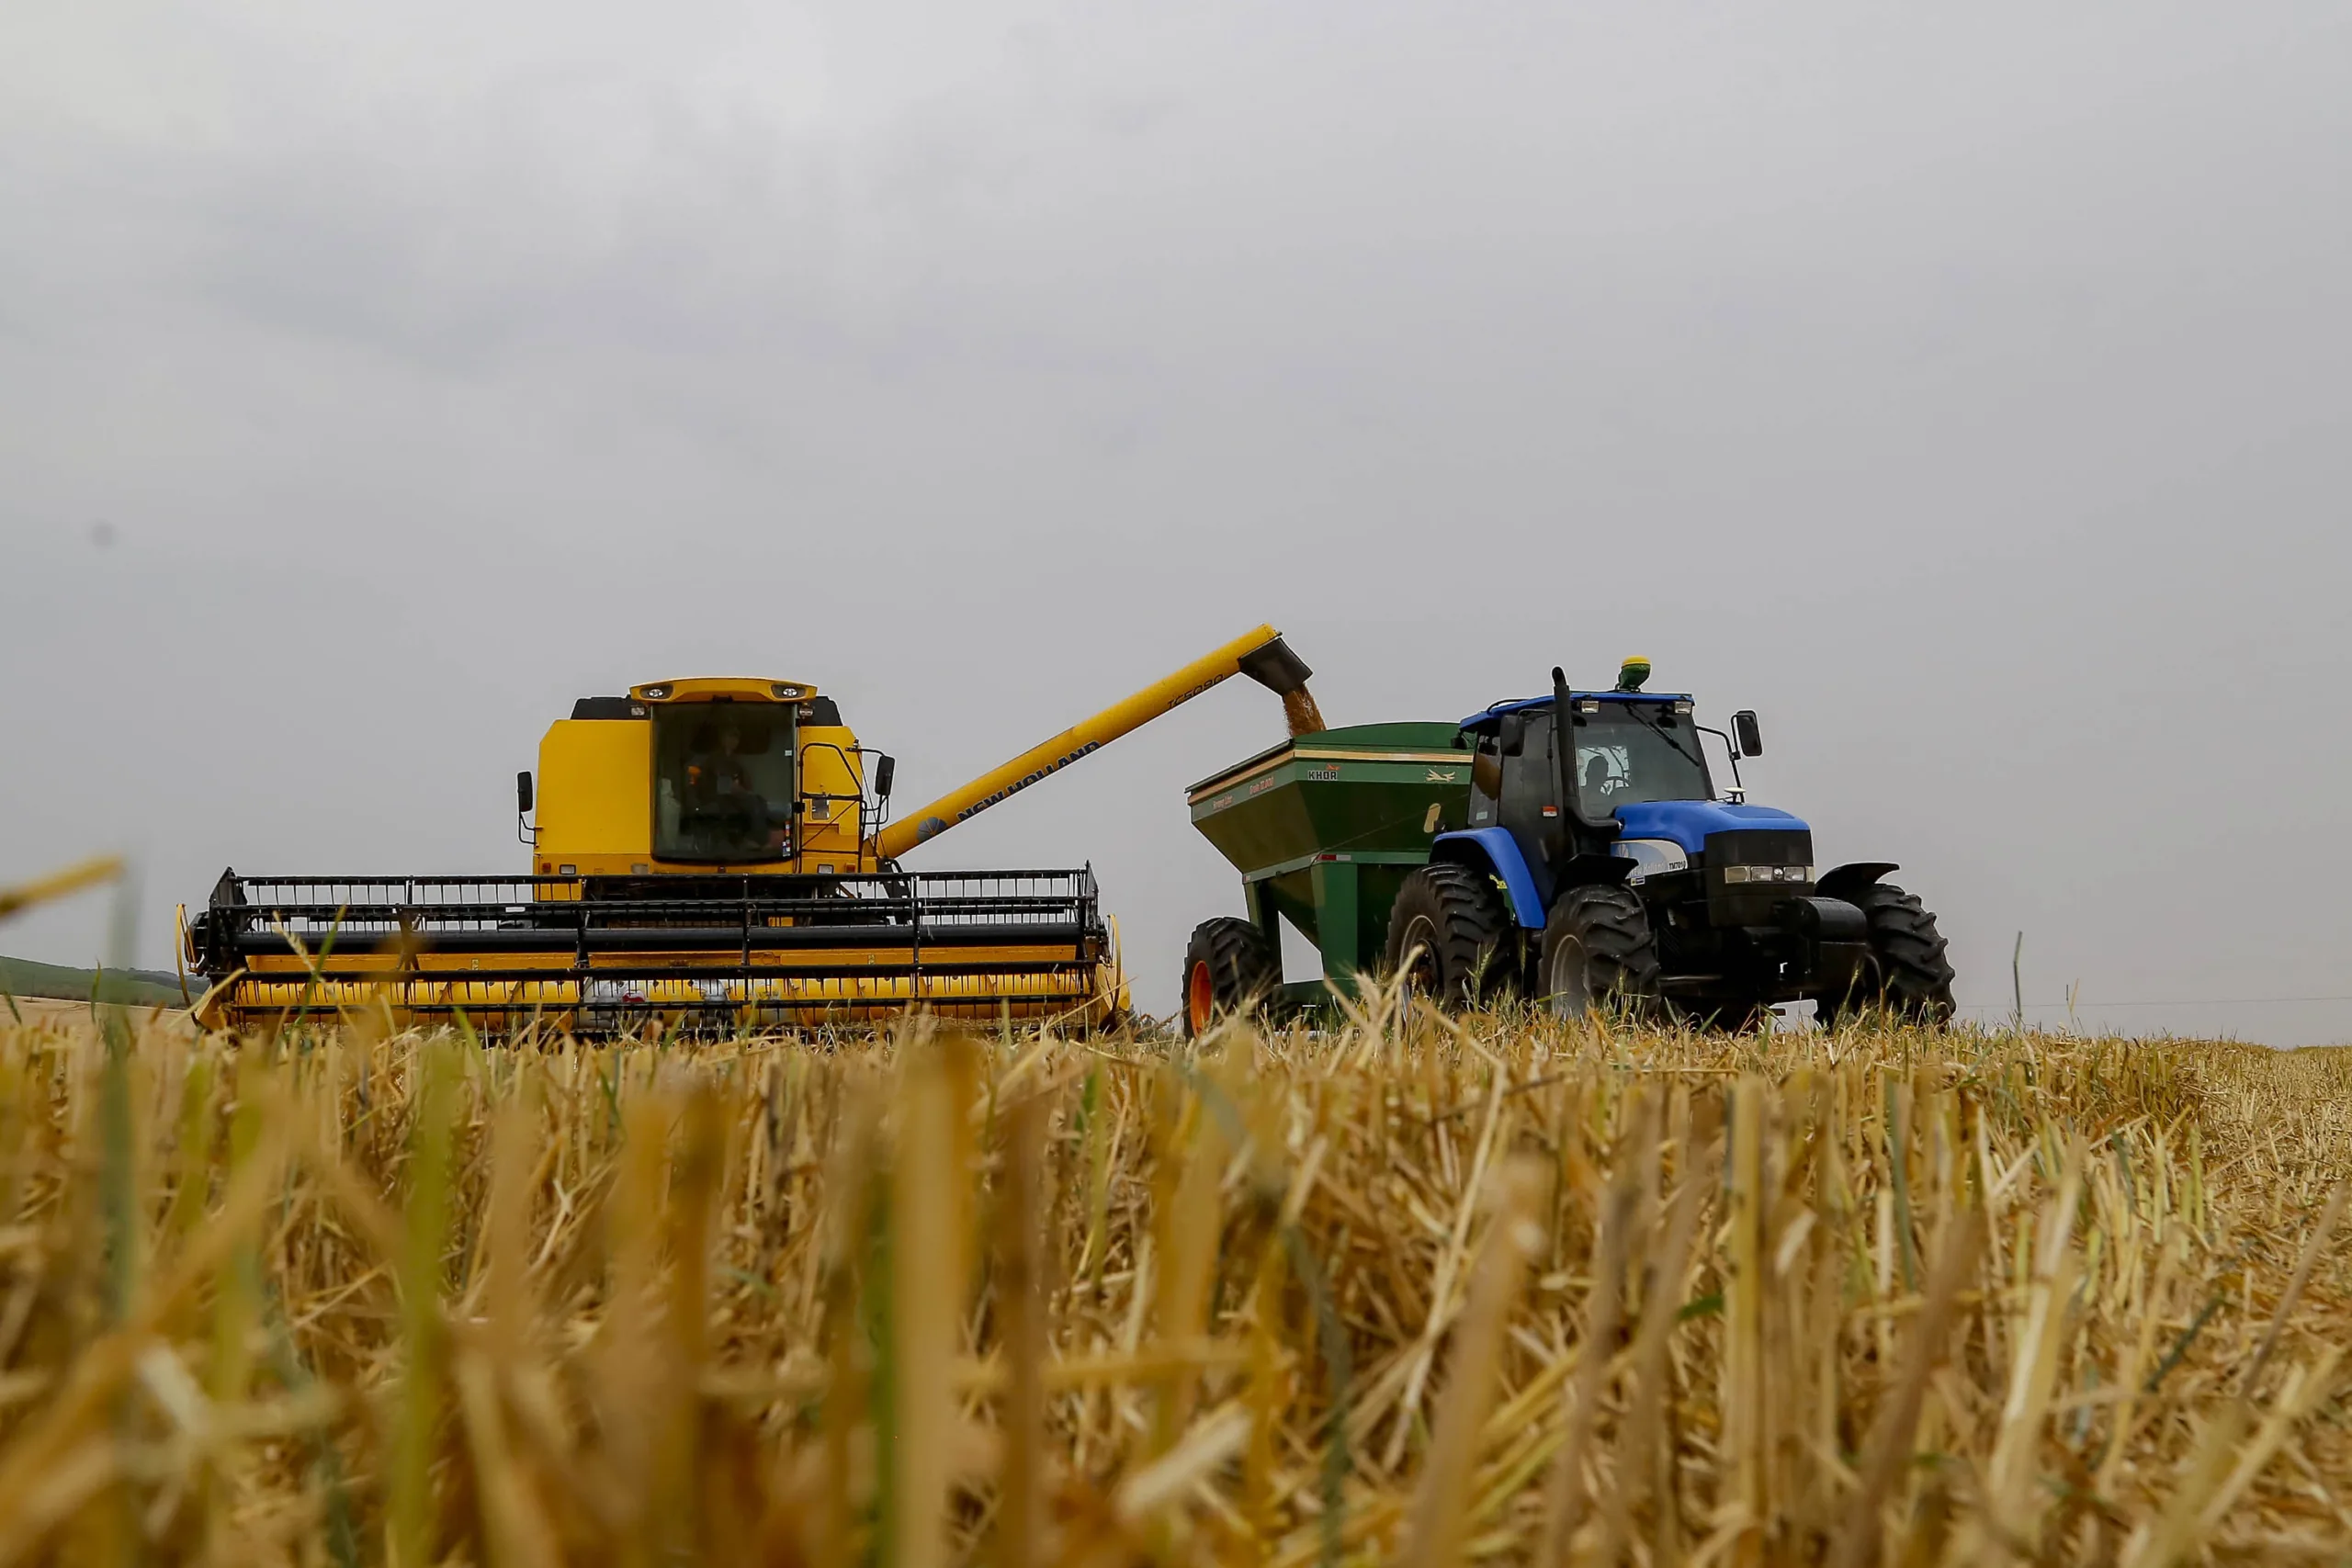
(144, 988)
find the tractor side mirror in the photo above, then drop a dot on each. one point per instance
(1751, 737)
(886, 771)
(522, 792)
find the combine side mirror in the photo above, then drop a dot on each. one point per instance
(885, 768)
(1751, 738)
(522, 792)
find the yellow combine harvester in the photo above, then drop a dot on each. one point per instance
(712, 848)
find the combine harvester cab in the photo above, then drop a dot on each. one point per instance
(712, 852)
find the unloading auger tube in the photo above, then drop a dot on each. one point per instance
(1260, 654)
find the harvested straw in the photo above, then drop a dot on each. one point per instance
(1471, 1290)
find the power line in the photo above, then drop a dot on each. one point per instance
(2084, 1004)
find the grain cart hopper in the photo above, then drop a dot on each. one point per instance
(1325, 828)
(1588, 860)
(713, 848)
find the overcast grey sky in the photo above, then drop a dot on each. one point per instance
(1964, 387)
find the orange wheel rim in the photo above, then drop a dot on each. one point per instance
(1200, 996)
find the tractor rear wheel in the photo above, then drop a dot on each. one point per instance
(1445, 933)
(1598, 952)
(1907, 974)
(1229, 966)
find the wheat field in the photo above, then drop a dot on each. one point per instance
(1413, 1289)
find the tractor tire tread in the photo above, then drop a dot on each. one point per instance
(1915, 975)
(1471, 923)
(1622, 959)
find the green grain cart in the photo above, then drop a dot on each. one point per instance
(1324, 830)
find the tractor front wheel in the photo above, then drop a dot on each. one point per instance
(1598, 952)
(1445, 933)
(1907, 974)
(1229, 966)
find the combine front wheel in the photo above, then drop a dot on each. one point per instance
(1598, 950)
(1907, 974)
(1228, 966)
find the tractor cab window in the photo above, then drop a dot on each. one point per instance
(722, 781)
(1486, 778)
(1627, 753)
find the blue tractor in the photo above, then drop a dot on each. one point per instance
(1600, 865)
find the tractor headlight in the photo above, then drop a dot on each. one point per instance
(1650, 856)
(1735, 875)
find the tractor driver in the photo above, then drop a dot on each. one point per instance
(1596, 780)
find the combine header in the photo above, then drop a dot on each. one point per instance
(708, 849)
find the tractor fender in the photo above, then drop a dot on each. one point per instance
(1844, 881)
(1494, 852)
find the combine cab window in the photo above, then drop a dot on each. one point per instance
(722, 781)
(1621, 759)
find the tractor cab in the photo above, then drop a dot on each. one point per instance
(1623, 749)
(1565, 785)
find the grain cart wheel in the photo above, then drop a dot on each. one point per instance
(1907, 974)
(1445, 933)
(1228, 966)
(1597, 952)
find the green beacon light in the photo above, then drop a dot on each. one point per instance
(1632, 673)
